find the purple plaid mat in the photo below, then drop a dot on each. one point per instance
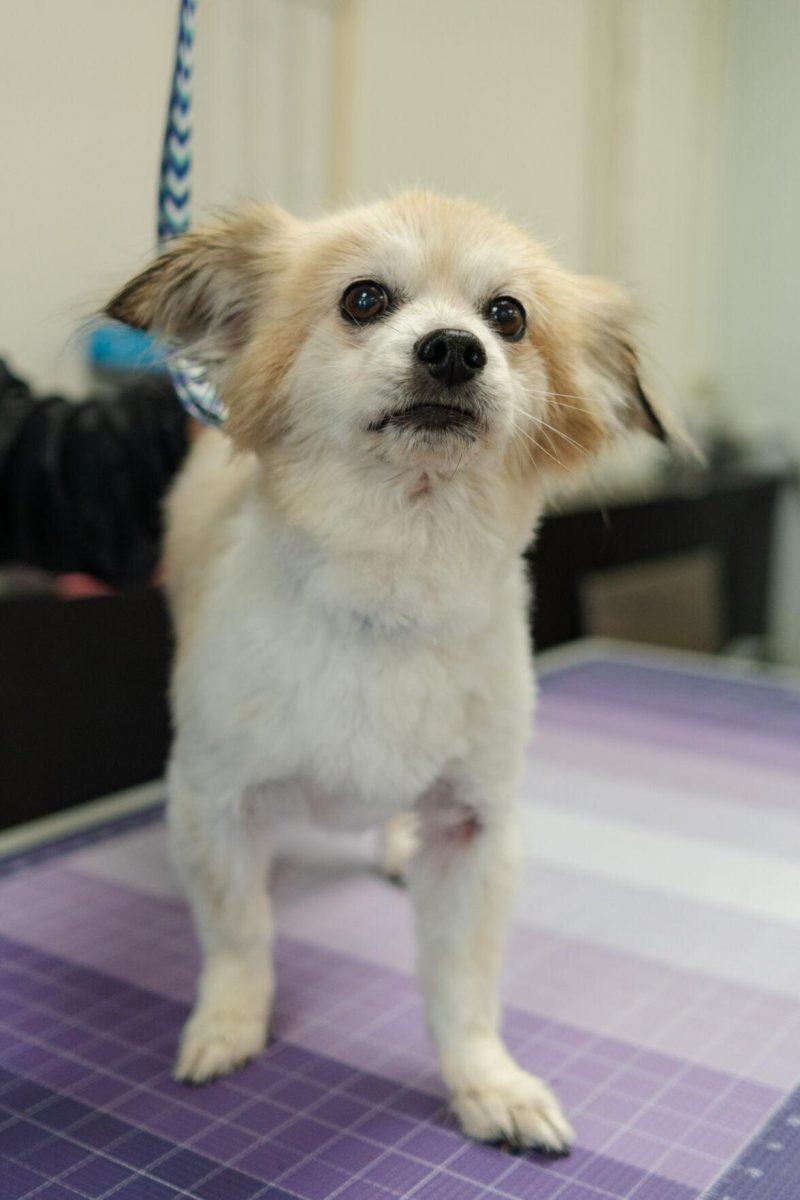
(653, 978)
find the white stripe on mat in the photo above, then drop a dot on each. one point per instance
(751, 882)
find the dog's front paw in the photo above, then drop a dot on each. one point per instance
(517, 1109)
(217, 1042)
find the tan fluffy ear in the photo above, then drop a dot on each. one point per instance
(201, 292)
(585, 334)
(610, 363)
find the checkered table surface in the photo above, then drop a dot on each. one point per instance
(653, 978)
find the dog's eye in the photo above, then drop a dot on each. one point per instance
(364, 301)
(507, 316)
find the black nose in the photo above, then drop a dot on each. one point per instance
(451, 355)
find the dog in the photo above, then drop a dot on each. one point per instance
(404, 384)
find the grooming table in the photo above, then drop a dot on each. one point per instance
(653, 978)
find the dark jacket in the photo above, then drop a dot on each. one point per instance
(81, 484)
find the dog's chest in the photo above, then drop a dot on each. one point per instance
(365, 718)
(356, 683)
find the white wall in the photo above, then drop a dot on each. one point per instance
(757, 250)
(755, 298)
(668, 79)
(82, 93)
(83, 90)
(469, 97)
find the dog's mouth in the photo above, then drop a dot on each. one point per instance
(430, 417)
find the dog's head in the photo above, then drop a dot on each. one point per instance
(420, 332)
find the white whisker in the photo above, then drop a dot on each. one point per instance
(537, 445)
(563, 435)
(559, 398)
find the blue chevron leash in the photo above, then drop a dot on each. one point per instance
(194, 389)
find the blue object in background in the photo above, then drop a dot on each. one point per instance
(116, 348)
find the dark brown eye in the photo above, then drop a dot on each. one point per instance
(507, 316)
(364, 301)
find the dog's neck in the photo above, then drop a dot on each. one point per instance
(396, 551)
(402, 510)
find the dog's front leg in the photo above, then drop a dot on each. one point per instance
(223, 861)
(462, 881)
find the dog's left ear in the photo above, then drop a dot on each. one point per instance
(586, 336)
(609, 361)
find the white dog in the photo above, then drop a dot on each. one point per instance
(345, 572)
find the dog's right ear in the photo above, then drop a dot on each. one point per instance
(201, 293)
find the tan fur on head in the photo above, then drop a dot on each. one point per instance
(257, 291)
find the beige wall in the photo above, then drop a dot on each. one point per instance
(755, 294)
(468, 97)
(754, 329)
(83, 89)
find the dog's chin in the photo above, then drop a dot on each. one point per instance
(429, 441)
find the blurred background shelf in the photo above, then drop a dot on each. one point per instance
(685, 559)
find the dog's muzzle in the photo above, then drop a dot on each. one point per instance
(447, 363)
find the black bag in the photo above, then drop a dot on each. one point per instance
(82, 484)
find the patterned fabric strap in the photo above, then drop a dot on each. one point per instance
(194, 389)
